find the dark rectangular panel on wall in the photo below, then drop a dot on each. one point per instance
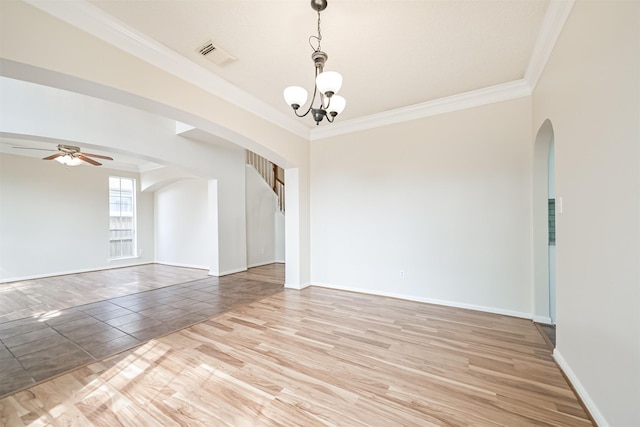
(552, 221)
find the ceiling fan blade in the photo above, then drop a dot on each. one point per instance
(53, 156)
(98, 156)
(87, 159)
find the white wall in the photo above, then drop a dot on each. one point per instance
(55, 219)
(261, 219)
(133, 82)
(280, 237)
(444, 199)
(297, 228)
(231, 212)
(590, 90)
(31, 110)
(182, 227)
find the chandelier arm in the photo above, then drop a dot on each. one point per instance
(315, 88)
(313, 98)
(328, 103)
(302, 115)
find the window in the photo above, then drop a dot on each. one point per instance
(122, 217)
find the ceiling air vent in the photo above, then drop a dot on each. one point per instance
(215, 54)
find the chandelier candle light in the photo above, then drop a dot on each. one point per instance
(328, 83)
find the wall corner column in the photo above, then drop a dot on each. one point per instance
(297, 274)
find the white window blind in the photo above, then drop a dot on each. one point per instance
(122, 217)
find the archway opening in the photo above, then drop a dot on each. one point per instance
(544, 241)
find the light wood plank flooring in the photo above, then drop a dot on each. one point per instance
(318, 357)
(44, 345)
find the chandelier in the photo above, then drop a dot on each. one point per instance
(327, 83)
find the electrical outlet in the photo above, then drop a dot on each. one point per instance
(402, 274)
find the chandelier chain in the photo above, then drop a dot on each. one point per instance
(318, 38)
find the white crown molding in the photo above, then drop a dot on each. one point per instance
(83, 15)
(474, 98)
(94, 21)
(553, 22)
(554, 19)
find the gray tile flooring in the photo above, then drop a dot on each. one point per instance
(549, 331)
(35, 349)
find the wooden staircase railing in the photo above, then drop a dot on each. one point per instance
(271, 173)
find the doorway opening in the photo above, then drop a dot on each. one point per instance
(544, 230)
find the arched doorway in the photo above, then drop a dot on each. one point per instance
(543, 204)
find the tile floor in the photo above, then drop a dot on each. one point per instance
(35, 297)
(36, 349)
(549, 331)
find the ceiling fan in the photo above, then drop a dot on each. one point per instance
(71, 156)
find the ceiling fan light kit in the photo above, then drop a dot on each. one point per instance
(69, 160)
(327, 83)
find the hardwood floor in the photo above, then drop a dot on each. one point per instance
(47, 344)
(318, 357)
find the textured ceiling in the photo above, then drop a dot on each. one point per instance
(392, 53)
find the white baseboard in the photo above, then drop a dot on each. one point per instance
(579, 388)
(543, 319)
(298, 287)
(174, 264)
(200, 267)
(227, 272)
(64, 273)
(493, 310)
(260, 264)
